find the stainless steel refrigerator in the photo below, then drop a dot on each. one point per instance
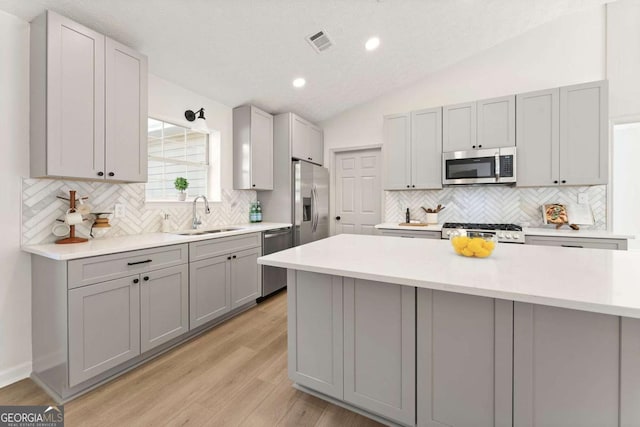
(310, 202)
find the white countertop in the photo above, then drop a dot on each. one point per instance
(394, 226)
(603, 281)
(112, 245)
(551, 232)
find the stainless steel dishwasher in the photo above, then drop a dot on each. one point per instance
(274, 278)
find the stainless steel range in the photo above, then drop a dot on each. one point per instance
(507, 233)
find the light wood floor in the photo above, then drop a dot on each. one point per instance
(235, 374)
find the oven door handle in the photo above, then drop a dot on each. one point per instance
(497, 167)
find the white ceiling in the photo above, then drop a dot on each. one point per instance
(249, 51)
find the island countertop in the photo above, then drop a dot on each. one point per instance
(602, 281)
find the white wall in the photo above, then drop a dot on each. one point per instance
(626, 192)
(568, 50)
(15, 279)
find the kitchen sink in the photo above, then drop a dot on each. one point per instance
(201, 232)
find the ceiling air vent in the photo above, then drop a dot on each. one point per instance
(320, 41)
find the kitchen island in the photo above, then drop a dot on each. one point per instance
(409, 333)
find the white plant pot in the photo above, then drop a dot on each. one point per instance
(182, 196)
(432, 218)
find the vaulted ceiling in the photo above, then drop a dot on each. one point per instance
(249, 51)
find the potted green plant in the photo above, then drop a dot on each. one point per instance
(181, 185)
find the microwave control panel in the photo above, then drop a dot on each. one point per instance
(506, 166)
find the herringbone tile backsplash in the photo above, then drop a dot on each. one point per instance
(41, 208)
(493, 204)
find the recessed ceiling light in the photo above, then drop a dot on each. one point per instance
(372, 43)
(299, 82)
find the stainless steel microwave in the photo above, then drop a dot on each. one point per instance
(486, 166)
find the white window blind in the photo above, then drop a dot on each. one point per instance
(176, 151)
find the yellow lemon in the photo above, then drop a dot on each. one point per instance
(489, 245)
(476, 244)
(458, 251)
(482, 253)
(459, 242)
(467, 252)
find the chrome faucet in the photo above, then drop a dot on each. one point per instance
(196, 219)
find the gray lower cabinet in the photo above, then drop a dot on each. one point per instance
(164, 305)
(578, 242)
(464, 360)
(567, 368)
(379, 348)
(104, 327)
(224, 275)
(315, 333)
(411, 234)
(354, 340)
(210, 290)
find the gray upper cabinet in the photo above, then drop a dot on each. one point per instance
(538, 136)
(307, 142)
(397, 152)
(252, 149)
(489, 123)
(459, 131)
(584, 147)
(126, 113)
(413, 150)
(104, 327)
(88, 97)
(562, 136)
(496, 122)
(426, 148)
(164, 305)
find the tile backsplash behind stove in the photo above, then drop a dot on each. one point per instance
(41, 208)
(493, 204)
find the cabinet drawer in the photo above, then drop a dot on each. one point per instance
(582, 242)
(411, 234)
(221, 246)
(86, 271)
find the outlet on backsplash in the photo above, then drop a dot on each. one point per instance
(120, 210)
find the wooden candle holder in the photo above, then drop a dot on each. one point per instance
(72, 228)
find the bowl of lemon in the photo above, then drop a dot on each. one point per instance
(473, 244)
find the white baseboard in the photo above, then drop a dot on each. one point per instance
(15, 374)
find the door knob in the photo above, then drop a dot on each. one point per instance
(337, 218)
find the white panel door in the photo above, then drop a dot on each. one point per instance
(75, 99)
(316, 145)
(358, 193)
(126, 113)
(538, 138)
(397, 152)
(300, 138)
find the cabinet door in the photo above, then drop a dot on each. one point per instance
(316, 145)
(164, 305)
(464, 360)
(245, 277)
(426, 148)
(126, 113)
(261, 150)
(497, 122)
(584, 141)
(314, 327)
(379, 348)
(459, 127)
(397, 152)
(566, 367)
(300, 138)
(538, 138)
(75, 99)
(104, 327)
(209, 290)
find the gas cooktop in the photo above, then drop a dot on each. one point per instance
(510, 233)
